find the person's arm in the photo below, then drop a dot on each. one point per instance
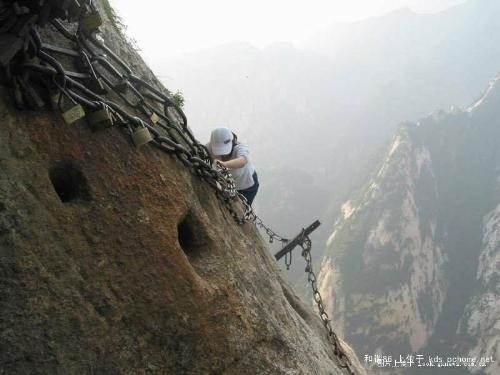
(238, 162)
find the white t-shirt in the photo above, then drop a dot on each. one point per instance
(243, 177)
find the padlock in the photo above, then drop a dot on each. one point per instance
(141, 136)
(154, 118)
(73, 114)
(101, 119)
(90, 22)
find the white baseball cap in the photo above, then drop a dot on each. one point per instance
(221, 141)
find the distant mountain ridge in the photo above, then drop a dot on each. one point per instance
(327, 111)
(414, 263)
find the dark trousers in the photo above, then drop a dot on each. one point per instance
(251, 192)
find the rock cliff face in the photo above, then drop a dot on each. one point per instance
(412, 265)
(482, 315)
(117, 260)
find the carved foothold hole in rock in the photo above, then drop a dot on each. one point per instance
(192, 235)
(69, 183)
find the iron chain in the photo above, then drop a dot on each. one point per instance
(344, 361)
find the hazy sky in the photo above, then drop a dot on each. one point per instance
(167, 28)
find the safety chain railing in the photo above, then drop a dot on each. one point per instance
(343, 359)
(37, 79)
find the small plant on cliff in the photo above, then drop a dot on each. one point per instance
(178, 98)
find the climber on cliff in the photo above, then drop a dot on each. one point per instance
(227, 151)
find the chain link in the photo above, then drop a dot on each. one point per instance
(342, 357)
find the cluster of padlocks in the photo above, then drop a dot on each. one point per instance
(73, 78)
(84, 79)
